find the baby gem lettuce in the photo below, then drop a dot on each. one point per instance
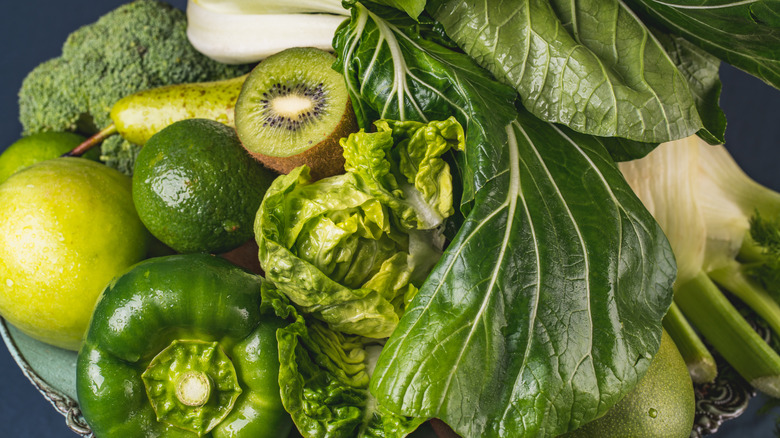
(353, 249)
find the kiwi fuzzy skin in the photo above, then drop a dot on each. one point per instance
(325, 158)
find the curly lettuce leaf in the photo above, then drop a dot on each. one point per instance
(546, 307)
(324, 378)
(320, 241)
(353, 249)
(416, 183)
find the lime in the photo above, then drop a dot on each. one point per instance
(67, 227)
(39, 147)
(196, 188)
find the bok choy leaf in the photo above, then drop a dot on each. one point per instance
(546, 307)
(746, 34)
(591, 65)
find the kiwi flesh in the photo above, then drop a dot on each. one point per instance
(293, 109)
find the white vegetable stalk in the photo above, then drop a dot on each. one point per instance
(704, 203)
(665, 182)
(728, 198)
(273, 6)
(237, 32)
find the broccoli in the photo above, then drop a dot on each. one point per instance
(137, 46)
(119, 153)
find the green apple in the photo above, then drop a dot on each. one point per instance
(67, 227)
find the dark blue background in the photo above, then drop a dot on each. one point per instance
(33, 31)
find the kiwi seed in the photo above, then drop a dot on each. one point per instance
(293, 109)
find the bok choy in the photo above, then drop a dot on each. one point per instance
(244, 31)
(593, 65)
(724, 232)
(546, 307)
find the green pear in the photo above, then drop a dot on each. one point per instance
(662, 404)
(139, 116)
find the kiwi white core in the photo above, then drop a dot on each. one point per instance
(292, 106)
(290, 103)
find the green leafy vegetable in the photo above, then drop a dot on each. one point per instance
(700, 69)
(353, 249)
(545, 308)
(324, 377)
(743, 33)
(419, 189)
(591, 65)
(412, 7)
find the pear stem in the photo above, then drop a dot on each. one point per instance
(92, 141)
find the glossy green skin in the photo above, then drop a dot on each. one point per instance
(179, 297)
(196, 189)
(139, 116)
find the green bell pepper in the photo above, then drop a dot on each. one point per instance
(178, 347)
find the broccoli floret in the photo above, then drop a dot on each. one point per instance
(119, 153)
(137, 46)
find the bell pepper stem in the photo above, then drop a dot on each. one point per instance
(194, 388)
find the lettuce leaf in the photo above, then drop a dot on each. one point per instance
(546, 307)
(416, 183)
(352, 249)
(324, 378)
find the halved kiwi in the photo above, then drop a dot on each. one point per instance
(293, 109)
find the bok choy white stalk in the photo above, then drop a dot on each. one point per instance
(722, 228)
(243, 31)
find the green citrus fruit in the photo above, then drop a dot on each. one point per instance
(196, 188)
(67, 227)
(39, 147)
(661, 405)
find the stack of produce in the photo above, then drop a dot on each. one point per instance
(435, 219)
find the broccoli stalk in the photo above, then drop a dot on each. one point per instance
(715, 218)
(139, 45)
